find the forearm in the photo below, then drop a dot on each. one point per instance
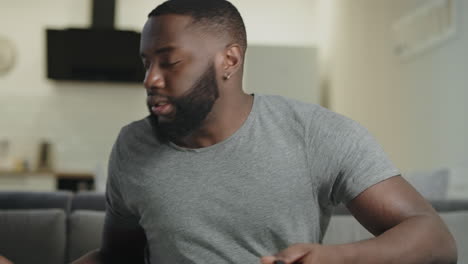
(92, 257)
(421, 239)
(4, 260)
(103, 257)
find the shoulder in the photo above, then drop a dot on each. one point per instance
(286, 111)
(332, 123)
(137, 136)
(312, 117)
(135, 129)
(285, 105)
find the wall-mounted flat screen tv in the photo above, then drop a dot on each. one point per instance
(94, 55)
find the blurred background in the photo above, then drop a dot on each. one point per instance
(399, 67)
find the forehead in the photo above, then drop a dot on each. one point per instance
(165, 27)
(171, 30)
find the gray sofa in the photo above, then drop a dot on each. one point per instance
(56, 228)
(49, 227)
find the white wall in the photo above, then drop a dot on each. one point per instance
(416, 108)
(268, 22)
(83, 119)
(287, 71)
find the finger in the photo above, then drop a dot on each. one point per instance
(282, 262)
(293, 253)
(268, 259)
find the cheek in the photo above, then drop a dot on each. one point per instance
(220, 68)
(177, 85)
(180, 81)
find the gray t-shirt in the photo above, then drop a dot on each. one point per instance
(271, 184)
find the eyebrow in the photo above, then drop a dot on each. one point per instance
(160, 51)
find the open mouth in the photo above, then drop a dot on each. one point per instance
(162, 108)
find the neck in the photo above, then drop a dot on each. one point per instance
(227, 116)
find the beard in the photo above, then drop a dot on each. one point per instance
(191, 109)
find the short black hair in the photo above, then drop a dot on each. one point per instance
(218, 16)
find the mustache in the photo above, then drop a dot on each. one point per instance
(190, 96)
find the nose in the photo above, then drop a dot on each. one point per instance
(154, 79)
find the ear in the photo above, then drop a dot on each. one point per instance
(232, 61)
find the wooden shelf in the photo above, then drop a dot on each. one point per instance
(72, 175)
(46, 180)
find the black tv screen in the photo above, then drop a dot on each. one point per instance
(94, 55)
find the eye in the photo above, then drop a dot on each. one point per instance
(146, 65)
(169, 64)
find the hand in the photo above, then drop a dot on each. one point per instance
(4, 260)
(307, 254)
(90, 258)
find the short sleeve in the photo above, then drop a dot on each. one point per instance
(363, 163)
(350, 158)
(115, 199)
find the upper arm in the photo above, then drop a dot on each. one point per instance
(122, 241)
(388, 203)
(123, 238)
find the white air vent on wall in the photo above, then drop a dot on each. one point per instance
(424, 28)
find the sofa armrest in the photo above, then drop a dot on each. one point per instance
(450, 205)
(440, 206)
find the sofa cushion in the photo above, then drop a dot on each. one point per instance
(33, 236)
(84, 232)
(344, 229)
(458, 184)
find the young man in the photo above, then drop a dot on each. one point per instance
(214, 175)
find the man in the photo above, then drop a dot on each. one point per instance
(214, 175)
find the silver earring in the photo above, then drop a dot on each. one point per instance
(227, 76)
